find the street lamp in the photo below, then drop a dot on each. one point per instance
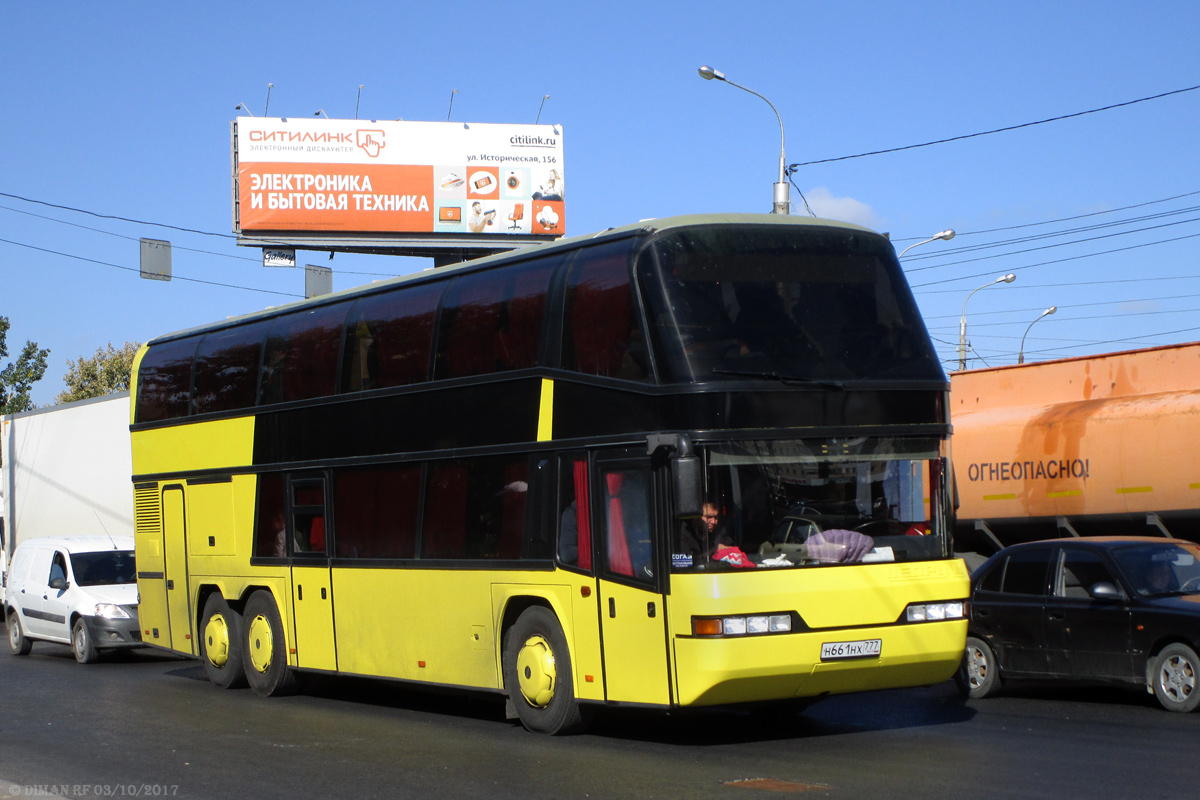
(1021, 352)
(782, 197)
(962, 323)
(945, 236)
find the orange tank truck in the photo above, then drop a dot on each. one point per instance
(1094, 445)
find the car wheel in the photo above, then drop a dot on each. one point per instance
(1174, 677)
(264, 652)
(221, 644)
(17, 640)
(537, 674)
(82, 644)
(979, 673)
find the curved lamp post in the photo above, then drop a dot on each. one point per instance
(1021, 351)
(782, 196)
(945, 236)
(962, 323)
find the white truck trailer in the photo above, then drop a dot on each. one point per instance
(65, 472)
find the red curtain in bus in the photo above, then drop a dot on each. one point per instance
(582, 517)
(618, 548)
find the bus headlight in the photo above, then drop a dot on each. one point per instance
(752, 625)
(936, 612)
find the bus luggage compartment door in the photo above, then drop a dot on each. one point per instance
(175, 558)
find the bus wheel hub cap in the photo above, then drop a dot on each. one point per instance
(535, 671)
(216, 640)
(261, 644)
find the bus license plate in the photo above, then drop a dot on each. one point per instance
(864, 648)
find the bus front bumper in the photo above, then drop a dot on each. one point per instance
(718, 671)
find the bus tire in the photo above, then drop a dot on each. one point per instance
(17, 640)
(979, 673)
(264, 651)
(221, 644)
(81, 643)
(1176, 684)
(538, 676)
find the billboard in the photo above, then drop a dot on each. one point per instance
(422, 181)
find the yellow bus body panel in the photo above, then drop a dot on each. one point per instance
(847, 601)
(224, 443)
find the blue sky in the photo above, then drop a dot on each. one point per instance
(124, 110)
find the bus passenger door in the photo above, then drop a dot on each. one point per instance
(176, 573)
(632, 613)
(312, 590)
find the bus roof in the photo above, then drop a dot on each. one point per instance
(646, 225)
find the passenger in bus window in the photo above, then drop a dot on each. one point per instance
(702, 536)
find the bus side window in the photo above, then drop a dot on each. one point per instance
(628, 547)
(270, 538)
(376, 511)
(475, 508)
(227, 366)
(574, 522)
(300, 360)
(602, 330)
(492, 321)
(308, 517)
(165, 380)
(389, 338)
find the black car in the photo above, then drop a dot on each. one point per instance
(1122, 610)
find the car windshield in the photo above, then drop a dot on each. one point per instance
(818, 502)
(784, 303)
(104, 568)
(1158, 569)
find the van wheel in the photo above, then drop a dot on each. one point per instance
(16, 637)
(264, 652)
(1174, 677)
(537, 674)
(979, 674)
(82, 644)
(221, 644)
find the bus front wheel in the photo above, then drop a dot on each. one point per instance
(221, 644)
(537, 674)
(264, 652)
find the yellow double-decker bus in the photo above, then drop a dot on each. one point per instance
(688, 462)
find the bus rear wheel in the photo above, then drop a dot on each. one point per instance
(264, 652)
(221, 644)
(537, 674)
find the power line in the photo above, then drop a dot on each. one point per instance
(1060, 219)
(131, 269)
(1017, 286)
(1058, 244)
(175, 246)
(996, 130)
(1061, 260)
(1071, 306)
(974, 248)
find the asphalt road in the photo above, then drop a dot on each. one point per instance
(143, 724)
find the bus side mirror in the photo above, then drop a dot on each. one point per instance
(687, 485)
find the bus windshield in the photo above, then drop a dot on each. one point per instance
(791, 304)
(809, 503)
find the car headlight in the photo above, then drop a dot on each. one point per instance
(111, 611)
(936, 612)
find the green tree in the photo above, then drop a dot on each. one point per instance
(18, 378)
(106, 372)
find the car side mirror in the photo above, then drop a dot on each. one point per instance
(1104, 591)
(59, 584)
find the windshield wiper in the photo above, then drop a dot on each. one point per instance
(790, 380)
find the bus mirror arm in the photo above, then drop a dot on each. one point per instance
(687, 472)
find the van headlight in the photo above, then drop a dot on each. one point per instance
(111, 611)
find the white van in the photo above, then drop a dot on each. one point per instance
(77, 590)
